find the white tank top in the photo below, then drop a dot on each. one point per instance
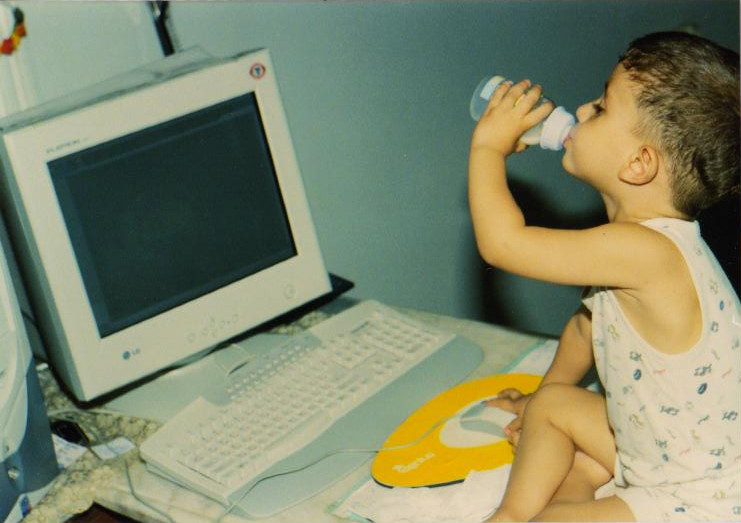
(676, 417)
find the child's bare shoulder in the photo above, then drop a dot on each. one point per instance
(651, 252)
(663, 306)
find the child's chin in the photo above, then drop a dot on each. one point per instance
(566, 163)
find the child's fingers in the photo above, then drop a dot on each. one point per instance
(500, 91)
(508, 93)
(501, 403)
(515, 440)
(513, 431)
(533, 94)
(511, 393)
(515, 95)
(498, 95)
(507, 399)
(515, 425)
(538, 114)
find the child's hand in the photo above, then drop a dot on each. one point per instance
(509, 114)
(512, 400)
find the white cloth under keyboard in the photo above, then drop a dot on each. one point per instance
(276, 404)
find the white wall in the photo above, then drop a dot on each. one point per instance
(71, 45)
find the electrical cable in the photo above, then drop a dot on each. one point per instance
(141, 500)
(160, 12)
(67, 414)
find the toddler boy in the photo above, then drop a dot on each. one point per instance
(660, 321)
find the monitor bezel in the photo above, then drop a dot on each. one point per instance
(92, 365)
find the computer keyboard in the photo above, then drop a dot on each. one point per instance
(278, 403)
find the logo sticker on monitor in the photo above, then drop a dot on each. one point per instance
(257, 71)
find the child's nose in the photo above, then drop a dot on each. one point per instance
(582, 112)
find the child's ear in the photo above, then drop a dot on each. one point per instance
(642, 166)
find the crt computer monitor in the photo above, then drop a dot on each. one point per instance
(155, 222)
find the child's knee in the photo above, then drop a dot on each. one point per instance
(548, 401)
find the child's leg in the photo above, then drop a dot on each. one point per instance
(574, 500)
(558, 420)
(583, 480)
(606, 509)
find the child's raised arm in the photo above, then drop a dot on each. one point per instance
(606, 255)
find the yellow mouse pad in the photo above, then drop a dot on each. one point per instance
(447, 453)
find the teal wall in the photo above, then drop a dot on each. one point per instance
(376, 95)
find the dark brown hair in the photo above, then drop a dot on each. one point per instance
(688, 91)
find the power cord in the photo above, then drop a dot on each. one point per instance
(140, 499)
(94, 438)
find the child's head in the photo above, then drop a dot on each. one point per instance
(688, 100)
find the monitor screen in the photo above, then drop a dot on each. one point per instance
(159, 218)
(188, 206)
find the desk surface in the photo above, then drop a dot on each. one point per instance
(91, 480)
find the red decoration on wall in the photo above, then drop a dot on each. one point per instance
(11, 43)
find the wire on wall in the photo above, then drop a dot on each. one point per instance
(160, 12)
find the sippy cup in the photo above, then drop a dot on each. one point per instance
(550, 133)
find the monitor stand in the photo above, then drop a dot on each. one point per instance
(177, 388)
(181, 386)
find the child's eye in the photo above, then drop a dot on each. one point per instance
(597, 108)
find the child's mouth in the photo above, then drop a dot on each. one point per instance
(567, 140)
